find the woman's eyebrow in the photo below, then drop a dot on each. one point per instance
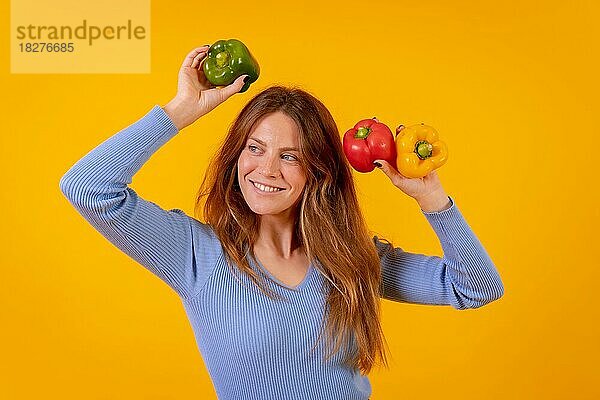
(281, 149)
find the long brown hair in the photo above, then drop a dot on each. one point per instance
(329, 222)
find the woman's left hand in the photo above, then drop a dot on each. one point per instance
(417, 188)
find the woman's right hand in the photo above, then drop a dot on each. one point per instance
(196, 96)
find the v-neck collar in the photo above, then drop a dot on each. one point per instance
(296, 288)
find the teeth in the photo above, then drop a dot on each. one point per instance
(266, 188)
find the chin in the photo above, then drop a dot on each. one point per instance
(265, 210)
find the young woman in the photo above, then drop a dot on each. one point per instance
(282, 281)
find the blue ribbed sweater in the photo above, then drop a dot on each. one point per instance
(255, 347)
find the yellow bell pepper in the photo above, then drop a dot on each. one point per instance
(419, 150)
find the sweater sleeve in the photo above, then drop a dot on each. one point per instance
(465, 277)
(178, 249)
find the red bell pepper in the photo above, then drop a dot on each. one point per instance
(367, 141)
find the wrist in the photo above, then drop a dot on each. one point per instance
(178, 113)
(434, 202)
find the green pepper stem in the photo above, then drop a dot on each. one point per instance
(423, 149)
(222, 59)
(362, 132)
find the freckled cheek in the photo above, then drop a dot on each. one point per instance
(245, 166)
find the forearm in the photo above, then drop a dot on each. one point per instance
(465, 277)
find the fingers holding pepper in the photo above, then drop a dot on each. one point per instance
(189, 59)
(199, 57)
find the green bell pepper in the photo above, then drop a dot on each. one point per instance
(229, 59)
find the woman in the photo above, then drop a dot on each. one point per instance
(282, 282)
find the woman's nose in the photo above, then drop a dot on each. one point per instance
(269, 167)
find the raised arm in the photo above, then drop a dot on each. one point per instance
(465, 277)
(175, 247)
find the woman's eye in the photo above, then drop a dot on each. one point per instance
(251, 147)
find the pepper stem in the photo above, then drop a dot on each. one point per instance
(222, 59)
(423, 149)
(362, 132)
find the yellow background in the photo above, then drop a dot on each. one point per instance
(512, 87)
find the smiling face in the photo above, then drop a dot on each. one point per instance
(271, 156)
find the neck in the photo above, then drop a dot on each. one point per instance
(277, 236)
